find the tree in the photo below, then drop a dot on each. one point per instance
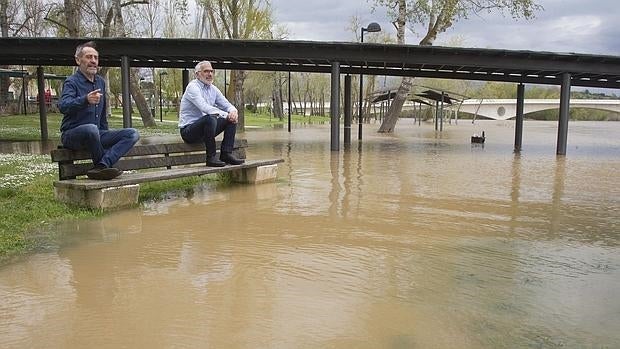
(435, 17)
(237, 19)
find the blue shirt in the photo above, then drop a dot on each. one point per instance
(75, 107)
(202, 99)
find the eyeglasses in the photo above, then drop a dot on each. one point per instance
(208, 71)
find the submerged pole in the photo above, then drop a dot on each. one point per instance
(334, 106)
(564, 114)
(519, 119)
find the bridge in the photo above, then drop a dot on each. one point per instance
(504, 109)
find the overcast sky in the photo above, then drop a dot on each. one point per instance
(581, 26)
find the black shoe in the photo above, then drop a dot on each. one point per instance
(103, 173)
(213, 161)
(229, 158)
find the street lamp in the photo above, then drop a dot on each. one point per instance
(372, 28)
(161, 118)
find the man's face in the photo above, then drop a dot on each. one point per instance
(88, 61)
(206, 73)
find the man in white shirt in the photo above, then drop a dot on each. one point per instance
(205, 113)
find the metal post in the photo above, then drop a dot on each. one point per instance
(519, 119)
(360, 105)
(125, 91)
(347, 110)
(24, 93)
(161, 107)
(441, 114)
(42, 103)
(564, 114)
(334, 107)
(436, 115)
(225, 89)
(289, 101)
(185, 79)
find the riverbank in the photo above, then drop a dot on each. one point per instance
(28, 205)
(26, 182)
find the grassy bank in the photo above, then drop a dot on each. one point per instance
(26, 192)
(28, 206)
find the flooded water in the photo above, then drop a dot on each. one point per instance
(413, 240)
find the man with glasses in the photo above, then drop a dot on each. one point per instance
(205, 113)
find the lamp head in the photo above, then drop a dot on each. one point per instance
(372, 27)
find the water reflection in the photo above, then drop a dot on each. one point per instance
(403, 241)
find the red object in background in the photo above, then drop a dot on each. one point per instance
(48, 96)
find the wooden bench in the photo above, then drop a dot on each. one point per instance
(152, 159)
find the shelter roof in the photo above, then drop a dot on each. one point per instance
(310, 56)
(382, 96)
(419, 100)
(436, 96)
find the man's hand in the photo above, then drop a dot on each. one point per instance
(233, 116)
(94, 96)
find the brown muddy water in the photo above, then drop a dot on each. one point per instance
(413, 240)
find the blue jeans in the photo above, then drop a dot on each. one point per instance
(205, 130)
(105, 146)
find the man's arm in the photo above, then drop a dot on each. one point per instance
(223, 103)
(70, 100)
(194, 95)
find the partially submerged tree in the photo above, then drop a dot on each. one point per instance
(435, 17)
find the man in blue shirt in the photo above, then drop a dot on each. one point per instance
(84, 124)
(205, 113)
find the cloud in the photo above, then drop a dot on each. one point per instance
(564, 26)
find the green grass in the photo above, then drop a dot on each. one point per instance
(28, 206)
(27, 127)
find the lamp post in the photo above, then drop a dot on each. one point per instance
(161, 118)
(372, 28)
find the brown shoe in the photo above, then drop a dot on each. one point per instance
(103, 173)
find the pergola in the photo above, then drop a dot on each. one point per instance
(336, 58)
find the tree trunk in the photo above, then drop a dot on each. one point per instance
(72, 16)
(389, 121)
(237, 78)
(5, 81)
(138, 97)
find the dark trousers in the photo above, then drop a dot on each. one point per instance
(206, 129)
(105, 146)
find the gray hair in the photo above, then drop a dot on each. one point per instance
(80, 48)
(197, 68)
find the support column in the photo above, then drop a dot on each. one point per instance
(185, 79)
(289, 101)
(347, 110)
(436, 115)
(125, 91)
(564, 114)
(441, 114)
(334, 107)
(42, 103)
(519, 119)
